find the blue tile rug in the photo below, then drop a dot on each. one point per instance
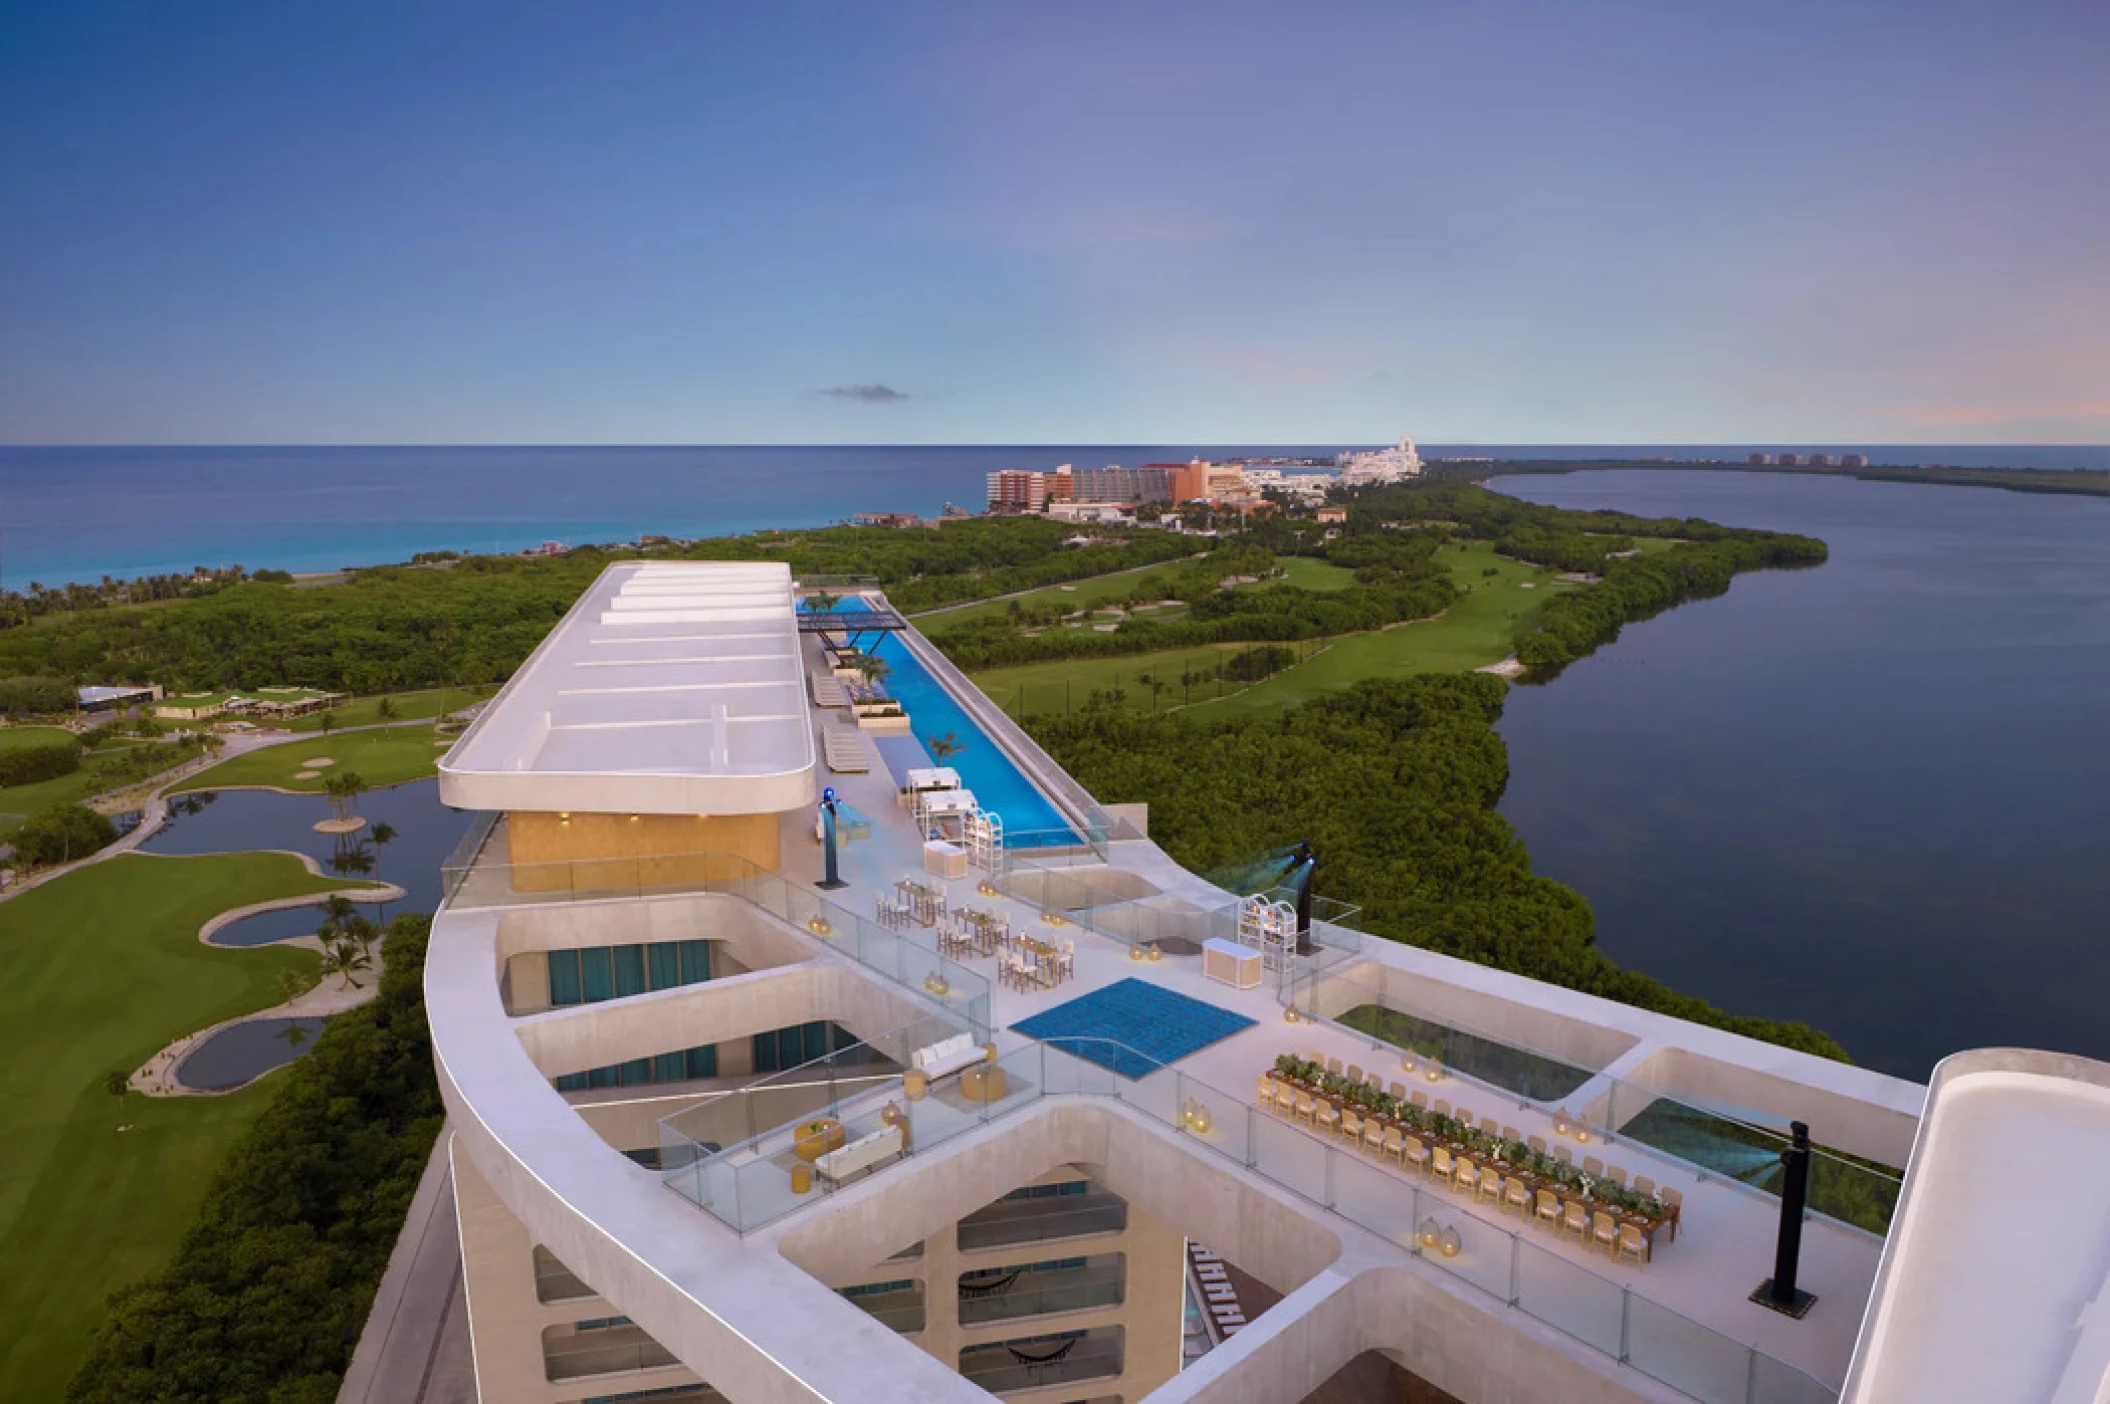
(1144, 1026)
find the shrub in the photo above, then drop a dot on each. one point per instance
(269, 1291)
(1257, 663)
(36, 694)
(61, 834)
(47, 760)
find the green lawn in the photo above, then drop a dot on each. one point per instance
(14, 738)
(1308, 574)
(384, 757)
(1471, 634)
(98, 971)
(410, 706)
(1077, 594)
(101, 769)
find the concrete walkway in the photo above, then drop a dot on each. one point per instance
(415, 1348)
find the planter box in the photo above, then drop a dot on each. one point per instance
(896, 723)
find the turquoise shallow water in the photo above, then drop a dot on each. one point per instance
(1874, 796)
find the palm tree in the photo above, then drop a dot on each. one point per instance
(944, 748)
(872, 667)
(346, 958)
(344, 790)
(823, 602)
(383, 833)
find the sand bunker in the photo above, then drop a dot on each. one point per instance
(306, 774)
(318, 763)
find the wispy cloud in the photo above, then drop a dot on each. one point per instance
(872, 393)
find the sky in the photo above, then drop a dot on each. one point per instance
(1584, 221)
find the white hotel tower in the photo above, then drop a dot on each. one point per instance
(988, 1116)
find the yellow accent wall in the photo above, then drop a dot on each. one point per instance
(644, 850)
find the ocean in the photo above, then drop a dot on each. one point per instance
(77, 514)
(1873, 795)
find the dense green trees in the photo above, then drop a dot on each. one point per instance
(47, 760)
(61, 834)
(32, 695)
(268, 1293)
(1394, 783)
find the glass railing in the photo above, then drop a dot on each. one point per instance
(752, 1187)
(1717, 1145)
(816, 1088)
(897, 1311)
(584, 1355)
(1008, 1224)
(1023, 1291)
(908, 957)
(1038, 1364)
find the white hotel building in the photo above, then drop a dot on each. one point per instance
(702, 1148)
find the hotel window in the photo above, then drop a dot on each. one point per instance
(798, 1045)
(595, 973)
(681, 1065)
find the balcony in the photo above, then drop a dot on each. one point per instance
(555, 1282)
(1009, 1222)
(1008, 1293)
(569, 1354)
(898, 1306)
(1036, 1362)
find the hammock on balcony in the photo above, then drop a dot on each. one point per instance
(1050, 1358)
(994, 1287)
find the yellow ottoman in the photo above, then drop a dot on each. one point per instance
(915, 1084)
(983, 1083)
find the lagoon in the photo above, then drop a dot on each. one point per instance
(1873, 795)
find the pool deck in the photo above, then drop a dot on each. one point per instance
(1723, 1249)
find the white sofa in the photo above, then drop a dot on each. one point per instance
(860, 1154)
(946, 1056)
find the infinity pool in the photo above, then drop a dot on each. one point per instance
(1031, 819)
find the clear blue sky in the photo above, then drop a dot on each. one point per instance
(687, 222)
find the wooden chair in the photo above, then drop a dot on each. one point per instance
(1488, 1127)
(1644, 1185)
(1352, 1126)
(1329, 1119)
(1575, 1220)
(1266, 1095)
(1616, 1174)
(1516, 1195)
(1333, 1065)
(1509, 1133)
(1416, 1156)
(1374, 1081)
(1632, 1240)
(1465, 1175)
(1593, 1167)
(1549, 1208)
(1673, 1200)
(1443, 1166)
(1537, 1143)
(1564, 1155)
(1490, 1185)
(1373, 1136)
(1318, 1055)
(1395, 1146)
(1355, 1074)
(1398, 1091)
(1420, 1101)
(1443, 1108)
(1306, 1108)
(1604, 1229)
(1285, 1100)
(1464, 1115)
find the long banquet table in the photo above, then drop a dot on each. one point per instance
(1647, 1224)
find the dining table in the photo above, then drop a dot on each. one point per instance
(1647, 1224)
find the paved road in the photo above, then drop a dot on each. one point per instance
(415, 1349)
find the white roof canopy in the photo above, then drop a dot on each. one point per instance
(669, 688)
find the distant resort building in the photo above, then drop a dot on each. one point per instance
(117, 697)
(267, 704)
(1387, 465)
